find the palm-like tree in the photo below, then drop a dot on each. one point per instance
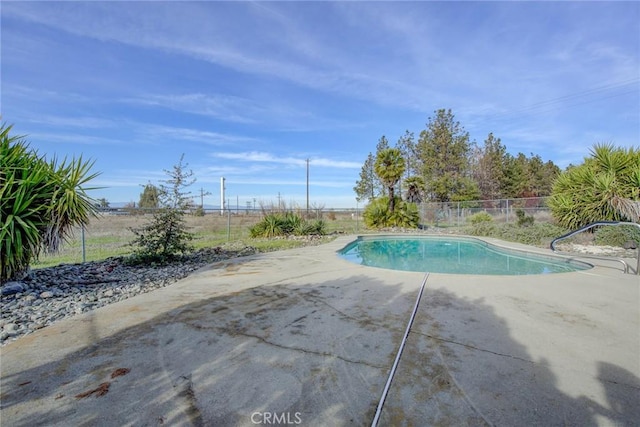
(415, 189)
(40, 202)
(389, 167)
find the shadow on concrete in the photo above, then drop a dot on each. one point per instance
(314, 352)
(462, 367)
(318, 353)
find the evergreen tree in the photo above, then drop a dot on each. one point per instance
(516, 180)
(407, 146)
(149, 198)
(365, 188)
(166, 235)
(490, 173)
(443, 154)
(369, 185)
(382, 144)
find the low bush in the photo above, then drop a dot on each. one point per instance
(479, 218)
(617, 235)
(538, 234)
(483, 228)
(524, 220)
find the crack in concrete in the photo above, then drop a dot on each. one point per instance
(307, 351)
(469, 346)
(355, 319)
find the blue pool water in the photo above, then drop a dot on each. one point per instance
(452, 255)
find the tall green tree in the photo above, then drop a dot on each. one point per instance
(389, 167)
(40, 202)
(407, 146)
(516, 178)
(443, 155)
(605, 187)
(365, 188)
(369, 185)
(149, 198)
(490, 173)
(548, 175)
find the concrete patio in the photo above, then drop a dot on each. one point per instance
(303, 337)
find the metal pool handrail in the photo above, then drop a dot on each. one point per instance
(589, 226)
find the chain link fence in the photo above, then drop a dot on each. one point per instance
(110, 233)
(502, 210)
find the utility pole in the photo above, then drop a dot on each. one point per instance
(202, 194)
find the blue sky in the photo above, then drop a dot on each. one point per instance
(249, 90)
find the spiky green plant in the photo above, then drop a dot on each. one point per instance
(378, 215)
(40, 202)
(605, 187)
(285, 224)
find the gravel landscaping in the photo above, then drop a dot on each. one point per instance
(50, 294)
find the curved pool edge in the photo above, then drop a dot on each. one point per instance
(490, 242)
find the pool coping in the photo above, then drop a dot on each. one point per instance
(495, 245)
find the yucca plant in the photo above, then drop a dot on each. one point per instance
(40, 202)
(284, 224)
(319, 227)
(269, 226)
(605, 187)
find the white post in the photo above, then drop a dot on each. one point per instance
(222, 195)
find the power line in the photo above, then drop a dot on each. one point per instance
(620, 88)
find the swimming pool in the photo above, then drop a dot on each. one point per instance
(455, 255)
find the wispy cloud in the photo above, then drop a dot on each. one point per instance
(164, 133)
(70, 121)
(72, 138)
(257, 156)
(224, 107)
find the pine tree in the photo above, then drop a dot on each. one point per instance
(365, 188)
(149, 198)
(166, 235)
(490, 169)
(443, 152)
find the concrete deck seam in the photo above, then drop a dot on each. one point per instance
(399, 355)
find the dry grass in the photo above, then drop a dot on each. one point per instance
(109, 235)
